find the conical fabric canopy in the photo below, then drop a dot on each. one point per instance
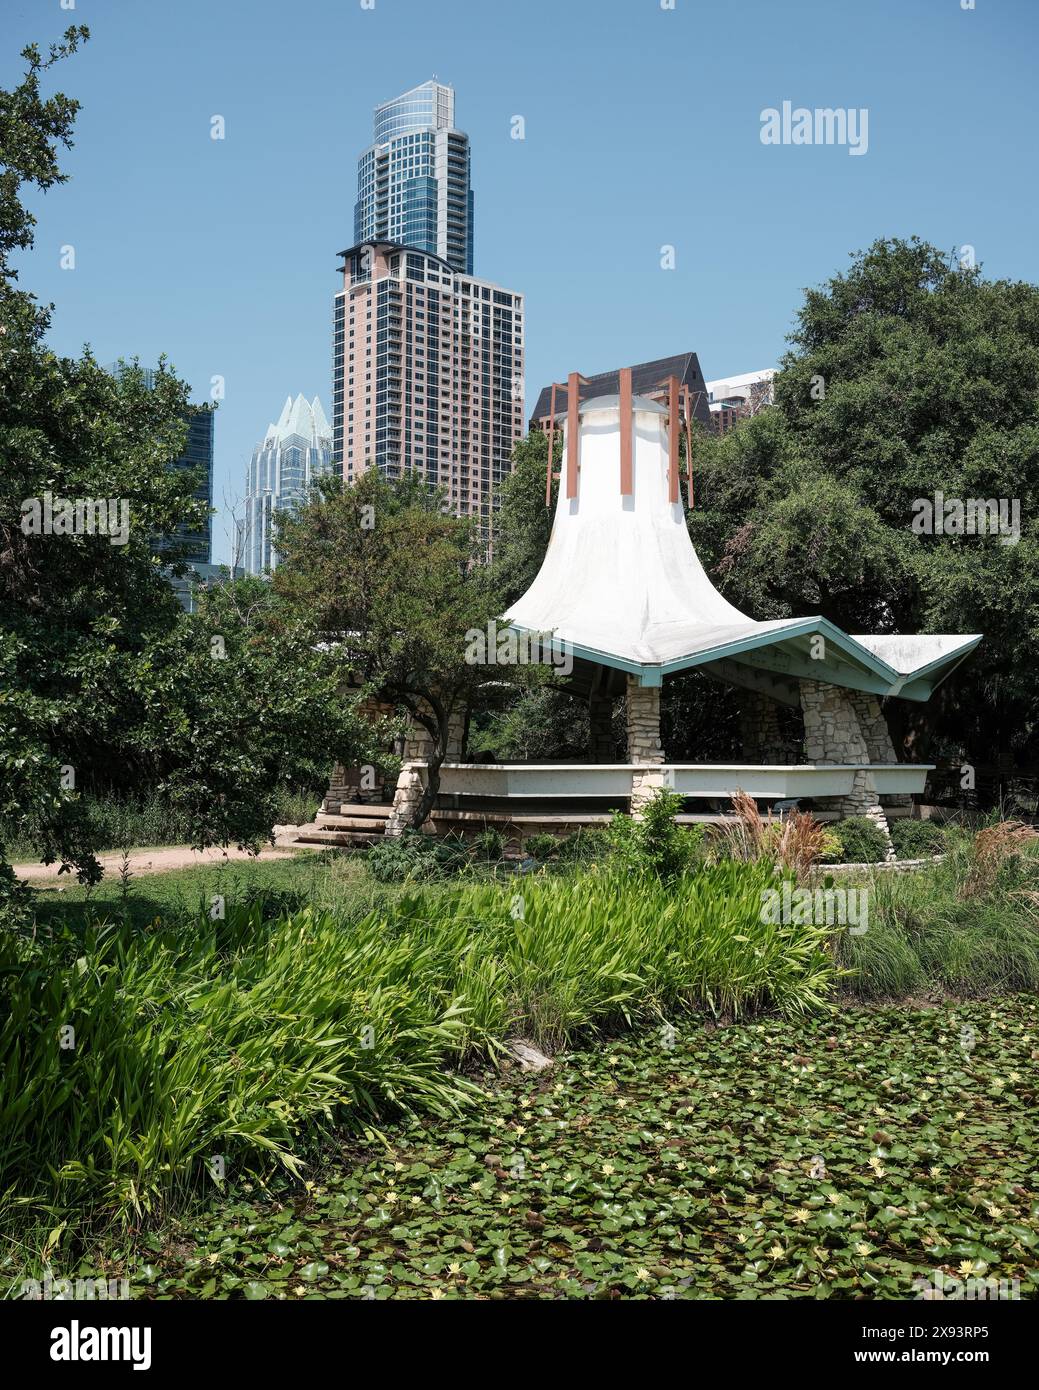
(622, 585)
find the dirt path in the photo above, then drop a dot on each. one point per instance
(157, 861)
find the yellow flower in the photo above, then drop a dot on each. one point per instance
(643, 1275)
(863, 1249)
(436, 1293)
(777, 1252)
(608, 1169)
(969, 1267)
(834, 1197)
(454, 1267)
(801, 1215)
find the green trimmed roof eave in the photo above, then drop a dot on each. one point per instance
(875, 676)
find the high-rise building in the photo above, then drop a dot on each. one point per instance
(733, 398)
(428, 373)
(413, 181)
(293, 453)
(193, 544)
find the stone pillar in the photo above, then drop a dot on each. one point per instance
(602, 747)
(418, 745)
(833, 735)
(877, 736)
(643, 711)
(760, 733)
(410, 786)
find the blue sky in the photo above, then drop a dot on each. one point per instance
(642, 130)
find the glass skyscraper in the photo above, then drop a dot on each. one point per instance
(293, 453)
(413, 182)
(190, 545)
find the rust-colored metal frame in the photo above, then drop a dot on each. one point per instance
(672, 393)
(627, 433)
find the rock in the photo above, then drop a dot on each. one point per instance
(529, 1058)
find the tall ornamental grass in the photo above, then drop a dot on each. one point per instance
(136, 1065)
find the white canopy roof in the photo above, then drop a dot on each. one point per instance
(622, 585)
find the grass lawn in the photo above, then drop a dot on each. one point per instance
(838, 1157)
(326, 880)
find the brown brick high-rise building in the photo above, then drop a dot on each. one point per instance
(427, 373)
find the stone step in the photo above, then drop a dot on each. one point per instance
(355, 839)
(368, 810)
(326, 821)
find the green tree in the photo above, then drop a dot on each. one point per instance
(103, 679)
(395, 583)
(907, 375)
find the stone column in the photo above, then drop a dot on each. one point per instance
(878, 738)
(602, 747)
(643, 711)
(833, 735)
(418, 745)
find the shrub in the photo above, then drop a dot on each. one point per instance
(795, 841)
(655, 843)
(861, 841)
(992, 847)
(584, 847)
(541, 847)
(410, 856)
(490, 844)
(916, 839)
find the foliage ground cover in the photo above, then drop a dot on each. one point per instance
(128, 1057)
(807, 1158)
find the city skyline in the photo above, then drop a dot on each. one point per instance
(623, 153)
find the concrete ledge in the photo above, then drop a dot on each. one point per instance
(768, 781)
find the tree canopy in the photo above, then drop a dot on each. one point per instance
(908, 375)
(395, 583)
(104, 681)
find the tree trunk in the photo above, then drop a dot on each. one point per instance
(429, 796)
(438, 728)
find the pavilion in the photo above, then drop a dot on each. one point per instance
(622, 591)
